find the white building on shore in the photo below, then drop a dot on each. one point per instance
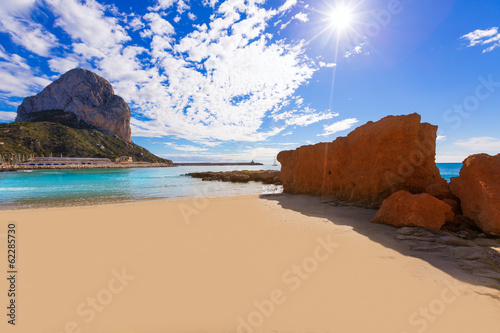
(32, 161)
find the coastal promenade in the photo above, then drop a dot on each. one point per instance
(216, 164)
(6, 168)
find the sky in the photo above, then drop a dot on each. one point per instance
(241, 80)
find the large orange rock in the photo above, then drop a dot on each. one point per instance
(372, 162)
(403, 209)
(478, 188)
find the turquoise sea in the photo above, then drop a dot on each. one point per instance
(449, 170)
(45, 188)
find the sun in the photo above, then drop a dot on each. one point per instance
(341, 17)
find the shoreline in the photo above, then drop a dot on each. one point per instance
(13, 168)
(117, 203)
(124, 201)
(298, 262)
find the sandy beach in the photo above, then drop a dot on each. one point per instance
(278, 263)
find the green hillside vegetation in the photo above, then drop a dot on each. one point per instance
(46, 138)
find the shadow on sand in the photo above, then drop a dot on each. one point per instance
(475, 261)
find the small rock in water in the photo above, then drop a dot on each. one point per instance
(264, 176)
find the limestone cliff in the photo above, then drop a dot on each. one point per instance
(87, 95)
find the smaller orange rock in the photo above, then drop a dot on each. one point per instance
(403, 209)
(478, 188)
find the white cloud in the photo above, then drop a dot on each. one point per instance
(339, 126)
(490, 37)
(182, 6)
(287, 5)
(15, 20)
(62, 65)
(17, 78)
(480, 144)
(284, 25)
(88, 23)
(440, 137)
(208, 143)
(186, 148)
(98, 40)
(356, 50)
(258, 154)
(244, 78)
(162, 5)
(491, 48)
(191, 16)
(7, 116)
(220, 82)
(146, 129)
(304, 117)
(476, 36)
(158, 25)
(210, 3)
(328, 65)
(450, 158)
(302, 17)
(136, 24)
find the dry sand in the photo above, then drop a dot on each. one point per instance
(243, 264)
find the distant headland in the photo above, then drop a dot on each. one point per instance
(76, 116)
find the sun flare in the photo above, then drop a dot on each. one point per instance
(341, 17)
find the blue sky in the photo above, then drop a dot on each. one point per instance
(240, 80)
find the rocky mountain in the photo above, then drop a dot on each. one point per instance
(71, 139)
(78, 115)
(86, 95)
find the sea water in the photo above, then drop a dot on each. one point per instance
(449, 170)
(47, 188)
